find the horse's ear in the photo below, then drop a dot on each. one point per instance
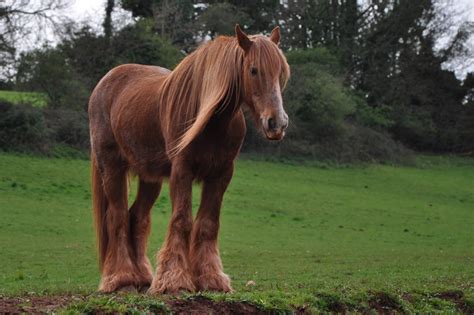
(275, 35)
(244, 42)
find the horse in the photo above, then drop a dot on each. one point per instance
(185, 125)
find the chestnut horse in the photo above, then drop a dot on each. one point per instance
(186, 124)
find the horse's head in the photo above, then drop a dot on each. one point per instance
(265, 73)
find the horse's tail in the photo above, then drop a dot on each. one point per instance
(99, 204)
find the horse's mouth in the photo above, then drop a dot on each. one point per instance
(273, 136)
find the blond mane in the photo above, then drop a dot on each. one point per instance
(210, 79)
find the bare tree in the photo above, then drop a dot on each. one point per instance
(23, 22)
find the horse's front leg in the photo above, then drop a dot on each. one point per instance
(204, 253)
(173, 272)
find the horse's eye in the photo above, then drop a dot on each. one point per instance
(253, 71)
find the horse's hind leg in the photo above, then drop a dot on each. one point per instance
(140, 228)
(204, 253)
(118, 270)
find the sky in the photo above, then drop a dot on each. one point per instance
(93, 11)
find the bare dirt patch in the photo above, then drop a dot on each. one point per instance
(193, 305)
(35, 304)
(202, 305)
(377, 302)
(384, 303)
(457, 297)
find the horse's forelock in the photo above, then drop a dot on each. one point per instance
(267, 57)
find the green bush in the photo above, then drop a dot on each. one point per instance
(355, 144)
(68, 127)
(319, 55)
(317, 102)
(373, 117)
(23, 128)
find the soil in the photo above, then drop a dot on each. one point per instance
(379, 302)
(383, 303)
(457, 297)
(201, 305)
(35, 304)
(197, 305)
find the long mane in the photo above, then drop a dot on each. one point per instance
(208, 80)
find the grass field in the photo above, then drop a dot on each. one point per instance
(15, 97)
(323, 239)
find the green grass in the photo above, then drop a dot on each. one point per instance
(15, 97)
(305, 235)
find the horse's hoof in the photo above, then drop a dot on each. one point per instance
(215, 282)
(144, 289)
(171, 290)
(172, 282)
(128, 289)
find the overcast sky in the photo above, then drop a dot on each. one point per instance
(92, 11)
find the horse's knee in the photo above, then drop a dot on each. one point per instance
(206, 229)
(182, 222)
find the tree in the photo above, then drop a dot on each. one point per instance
(139, 8)
(19, 18)
(263, 15)
(47, 70)
(68, 73)
(465, 124)
(109, 8)
(173, 18)
(220, 19)
(398, 66)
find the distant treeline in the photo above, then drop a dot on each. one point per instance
(366, 84)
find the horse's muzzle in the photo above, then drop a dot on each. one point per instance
(274, 127)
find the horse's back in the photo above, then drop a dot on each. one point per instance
(124, 77)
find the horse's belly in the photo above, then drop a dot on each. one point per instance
(152, 171)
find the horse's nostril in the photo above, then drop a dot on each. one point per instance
(271, 124)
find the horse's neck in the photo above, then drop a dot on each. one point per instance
(224, 114)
